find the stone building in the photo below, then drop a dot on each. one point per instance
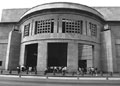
(61, 34)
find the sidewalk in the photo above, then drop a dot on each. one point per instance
(62, 77)
(59, 76)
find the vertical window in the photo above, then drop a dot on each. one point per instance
(71, 26)
(44, 26)
(26, 29)
(0, 63)
(93, 29)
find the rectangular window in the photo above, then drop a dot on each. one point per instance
(44, 26)
(93, 29)
(26, 29)
(72, 26)
(0, 63)
(63, 27)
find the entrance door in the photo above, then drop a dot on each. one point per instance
(82, 64)
(31, 55)
(57, 54)
(85, 55)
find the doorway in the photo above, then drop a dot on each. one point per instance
(82, 64)
(31, 55)
(57, 54)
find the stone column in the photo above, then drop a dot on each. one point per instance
(60, 25)
(115, 69)
(42, 56)
(22, 55)
(107, 46)
(72, 57)
(96, 56)
(109, 50)
(84, 31)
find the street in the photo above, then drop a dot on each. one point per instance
(10, 81)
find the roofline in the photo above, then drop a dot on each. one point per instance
(7, 22)
(68, 5)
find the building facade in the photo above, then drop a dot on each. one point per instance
(60, 34)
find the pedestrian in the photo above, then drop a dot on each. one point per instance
(46, 70)
(79, 71)
(10, 71)
(64, 69)
(27, 69)
(92, 70)
(54, 70)
(82, 71)
(1, 71)
(96, 72)
(18, 69)
(35, 70)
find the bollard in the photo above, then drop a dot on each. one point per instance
(73, 73)
(10, 72)
(46, 77)
(82, 74)
(1, 71)
(96, 74)
(107, 78)
(35, 72)
(45, 73)
(20, 74)
(27, 72)
(53, 72)
(111, 74)
(63, 73)
(101, 73)
(92, 74)
(77, 77)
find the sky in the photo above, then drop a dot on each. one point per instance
(8, 4)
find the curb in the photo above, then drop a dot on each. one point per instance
(63, 78)
(113, 78)
(36, 77)
(92, 78)
(9, 76)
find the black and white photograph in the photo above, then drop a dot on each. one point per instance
(60, 43)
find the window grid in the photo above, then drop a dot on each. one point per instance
(26, 29)
(71, 26)
(44, 26)
(93, 29)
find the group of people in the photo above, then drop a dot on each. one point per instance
(27, 69)
(56, 69)
(90, 70)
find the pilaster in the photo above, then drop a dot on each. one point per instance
(72, 57)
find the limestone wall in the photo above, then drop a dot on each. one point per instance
(5, 28)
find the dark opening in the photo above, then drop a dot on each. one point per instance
(0, 63)
(31, 55)
(82, 64)
(57, 54)
(63, 27)
(52, 26)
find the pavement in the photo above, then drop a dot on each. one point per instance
(63, 77)
(59, 76)
(58, 80)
